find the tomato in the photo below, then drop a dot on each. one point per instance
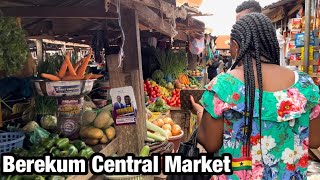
(178, 101)
(154, 96)
(153, 93)
(158, 95)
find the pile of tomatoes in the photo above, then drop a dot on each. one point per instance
(153, 92)
(174, 100)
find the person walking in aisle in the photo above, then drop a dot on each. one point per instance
(212, 68)
(266, 116)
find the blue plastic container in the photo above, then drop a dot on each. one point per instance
(10, 141)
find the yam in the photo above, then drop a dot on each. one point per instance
(92, 133)
(88, 117)
(110, 123)
(104, 139)
(102, 119)
(110, 132)
(91, 142)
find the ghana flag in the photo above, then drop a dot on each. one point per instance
(244, 163)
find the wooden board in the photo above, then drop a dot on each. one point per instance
(107, 150)
(185, 98)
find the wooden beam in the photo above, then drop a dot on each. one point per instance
(153, 20)
(294, 9)
(58, 12)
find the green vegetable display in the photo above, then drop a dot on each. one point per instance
(13, 46)
(62, 143)
(159, 106)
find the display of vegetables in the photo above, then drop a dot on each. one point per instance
(97, 127)
(58, 147)
(68, 72)
(152, 89)
(159, 106)
(168, 126)
(155, 132)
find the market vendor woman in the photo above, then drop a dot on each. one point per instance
(266, 116)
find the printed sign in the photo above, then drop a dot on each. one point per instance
(69, 88)
(70, 107)
(124, 105)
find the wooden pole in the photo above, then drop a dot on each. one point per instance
(131, 137)
(307, 35)
(39, 50)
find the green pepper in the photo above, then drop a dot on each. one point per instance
(16, 177)
(79, 144)
(54, 136)
(55, 152)
(40, 151)
(83, 153)
(48, 143)
(57, 178)
(89, 152)
(62, 143)
(72, 150)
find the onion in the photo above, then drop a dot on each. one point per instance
(166, 127)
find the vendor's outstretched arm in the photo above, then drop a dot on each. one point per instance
(210, 134)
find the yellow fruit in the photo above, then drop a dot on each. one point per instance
(91, 142)
(92, 133)
(104, 139)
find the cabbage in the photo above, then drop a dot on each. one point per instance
(30, 127)
(48, 122)
(157, 75)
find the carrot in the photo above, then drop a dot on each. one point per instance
(63, 69)
(77, 65)
(69, 65)
(82, 69)
(73, 78)
(88, 76)
(96, 76)
(50, 77)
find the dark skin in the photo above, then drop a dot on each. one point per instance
(275, 78)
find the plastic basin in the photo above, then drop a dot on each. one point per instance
(176, 140)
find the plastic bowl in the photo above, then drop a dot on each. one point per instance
(63, 88)
(176, 140)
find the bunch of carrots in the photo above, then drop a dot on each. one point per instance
(69, 73)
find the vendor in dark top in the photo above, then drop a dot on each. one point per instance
(212, 68)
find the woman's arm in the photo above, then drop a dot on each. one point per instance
(210, 134)
(314, 136)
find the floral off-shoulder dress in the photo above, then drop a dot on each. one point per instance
(283, 152)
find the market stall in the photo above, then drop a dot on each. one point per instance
(79, 52)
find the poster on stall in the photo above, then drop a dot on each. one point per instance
(124, 105)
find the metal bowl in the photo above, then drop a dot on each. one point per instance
(63, 88)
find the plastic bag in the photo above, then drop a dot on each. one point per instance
(38, 135)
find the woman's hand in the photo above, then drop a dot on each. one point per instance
(196, 108)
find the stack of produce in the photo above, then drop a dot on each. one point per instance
(58, 147)
(196, 73)
(174, 100)
(168, 126)
(68, 72)
(97, 127)
(159, 106)
(155, 133)
(152, 89)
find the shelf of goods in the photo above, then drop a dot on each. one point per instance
(313, 69)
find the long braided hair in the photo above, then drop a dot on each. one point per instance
(256, 37)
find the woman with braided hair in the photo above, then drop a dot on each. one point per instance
(264, 115)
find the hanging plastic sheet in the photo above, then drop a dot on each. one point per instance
(197, 46)
(209, 53)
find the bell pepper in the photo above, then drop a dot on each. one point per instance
(48, 143)
(54, 136)
(55, 152)
(79, 144)
(72, 150)
(62, 143)
(57, 178)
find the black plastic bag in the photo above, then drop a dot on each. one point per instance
(189, 149)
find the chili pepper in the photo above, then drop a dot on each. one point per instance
(48, 143)
(62, 143)
(79, 144)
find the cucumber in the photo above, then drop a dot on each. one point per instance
(149, 140)
(155, 128)
(144, 151)
(155, 137)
